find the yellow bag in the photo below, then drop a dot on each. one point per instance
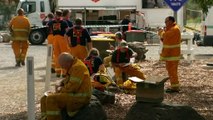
(129, 85)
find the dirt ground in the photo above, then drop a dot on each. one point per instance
(196, 91)
(195, 79)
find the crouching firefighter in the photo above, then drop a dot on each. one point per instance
(121, 64)
(100, 79)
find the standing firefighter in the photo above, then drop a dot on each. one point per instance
(50, 37)
(20, 29)
(66, 17)
(50, 17)
(60, 44)
(73, 93)
(80, 40)
(171, 38)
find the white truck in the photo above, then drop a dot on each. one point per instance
(93, 12)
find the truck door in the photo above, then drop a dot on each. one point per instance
(209, 22)
(207, 29)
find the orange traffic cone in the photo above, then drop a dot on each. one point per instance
(129, 26)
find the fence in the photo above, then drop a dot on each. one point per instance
(194, 19)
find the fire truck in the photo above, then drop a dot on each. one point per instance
(92, 12)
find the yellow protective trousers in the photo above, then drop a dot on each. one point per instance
(79, 51)
(50, 40)
(131, 70)
(172, 68)
(60, 45)
(20, 49)
(118, 76)
(52, 105)
(107, 61)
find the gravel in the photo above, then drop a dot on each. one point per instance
(195, 78)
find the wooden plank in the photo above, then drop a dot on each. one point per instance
(150, 79)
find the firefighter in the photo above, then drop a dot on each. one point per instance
(97, 70)
(171, 38)
(73, 92)
(50, 17)
(19, 27)
(47, 18)
(80, 41)
(66, 17)
(60, 44)
(93, 62)
(50, 37)
(119, 39)
(121, 63)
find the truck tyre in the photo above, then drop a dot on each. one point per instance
(37, 37)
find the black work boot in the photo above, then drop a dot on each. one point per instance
(172, 90)
(52, 70)
(18, 64)
(23, 63)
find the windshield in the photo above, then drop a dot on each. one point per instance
(29, 7)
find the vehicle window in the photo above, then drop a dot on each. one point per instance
(29, 7)
(42, 7)
(154, 4)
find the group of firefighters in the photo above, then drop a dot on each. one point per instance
(75, 59)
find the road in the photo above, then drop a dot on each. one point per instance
(13, 82)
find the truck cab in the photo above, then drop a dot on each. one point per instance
(36, 10)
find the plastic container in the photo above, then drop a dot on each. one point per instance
(102, 44)
(135, 35)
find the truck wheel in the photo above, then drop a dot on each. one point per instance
(36, 37)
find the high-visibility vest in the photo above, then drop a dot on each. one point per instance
(119, 52)
(78, 34)
(89, 65)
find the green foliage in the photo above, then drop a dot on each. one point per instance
(204, 5)
(7, 9)
(192, 5)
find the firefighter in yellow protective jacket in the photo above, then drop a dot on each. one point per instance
(171, 38)
(121, 63)
(72, 93)
(60, 44)
(79, 39)
(20, 29)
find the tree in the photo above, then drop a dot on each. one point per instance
(7, 9)
(192, 5)
(204, 5)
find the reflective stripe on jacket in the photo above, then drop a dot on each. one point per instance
(171, 44)
(77, 83)
(20, 28)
